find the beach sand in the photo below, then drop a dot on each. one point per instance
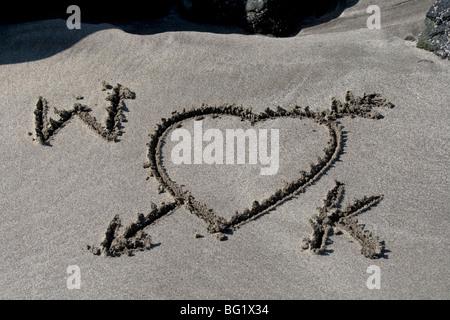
(58, 198)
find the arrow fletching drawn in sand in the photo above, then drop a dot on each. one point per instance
(330, 216)
(46, 127)
(133, 237)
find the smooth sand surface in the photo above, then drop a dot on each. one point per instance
(56, 199)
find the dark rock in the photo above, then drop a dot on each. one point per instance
(274, 17)
(436, 36)
(281, 17)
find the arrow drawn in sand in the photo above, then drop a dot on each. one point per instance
(46, 127)
(134, 238)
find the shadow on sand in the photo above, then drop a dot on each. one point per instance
(40, 31)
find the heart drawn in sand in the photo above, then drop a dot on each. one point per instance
(134, 238)
(215, 222)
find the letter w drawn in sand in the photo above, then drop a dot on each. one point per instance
(47, 127)
(134, 238)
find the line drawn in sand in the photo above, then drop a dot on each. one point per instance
(330, 216)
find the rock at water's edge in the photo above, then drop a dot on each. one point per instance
(436, 36)
(270, 17)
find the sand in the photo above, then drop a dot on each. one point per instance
(60, 196)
